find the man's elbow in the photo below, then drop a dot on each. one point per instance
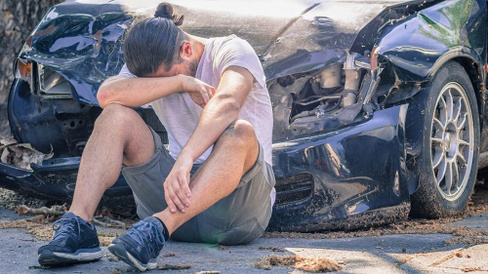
(227, 105)
(103, 96)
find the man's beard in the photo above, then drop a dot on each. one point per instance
(192, 68)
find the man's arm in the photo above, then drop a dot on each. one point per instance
(219, 113)
(135, 92)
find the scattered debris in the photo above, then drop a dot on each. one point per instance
(173, 267)
(412, 226)
(106, 221)
(208, 272)
(405, 260)
(34, 226)
(20, 155)
(38, 228)
(274, 249)
(458, 254)
(222, 247)
(6, 141)
(11, 200)
(475, 239)
(470, 269)
(172, 254)
(297, 262)
(107, 238)
(38, 267)
(477, 205)
(56, 210)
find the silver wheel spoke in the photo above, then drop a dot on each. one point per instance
(442, 111)
(448, 178)
(442, 171)
(457, 110)
(439, 125)
(438, 141)
(462, 121)
(461, 157)
(438, 157)
(455, 176)
(449, 105)
(461, 142)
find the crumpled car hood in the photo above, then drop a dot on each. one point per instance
(82, 40)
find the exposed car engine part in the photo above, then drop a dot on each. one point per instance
(352, 81)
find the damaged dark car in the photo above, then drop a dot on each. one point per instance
(379, 106)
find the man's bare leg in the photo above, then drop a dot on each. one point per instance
(234, 153)
(120, 136)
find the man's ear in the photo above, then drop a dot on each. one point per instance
(186, 50)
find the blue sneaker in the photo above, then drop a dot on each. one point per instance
(140, 246)
(75, 241)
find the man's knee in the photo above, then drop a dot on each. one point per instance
(240, 132)
(116, 115)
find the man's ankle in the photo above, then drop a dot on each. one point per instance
(82, 214)
(165, 229)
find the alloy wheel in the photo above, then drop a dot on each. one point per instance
(452, 141)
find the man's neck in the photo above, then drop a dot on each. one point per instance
(198, 45)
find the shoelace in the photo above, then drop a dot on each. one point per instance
(146, 233)
(65, 226)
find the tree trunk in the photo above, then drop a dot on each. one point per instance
(17, 20)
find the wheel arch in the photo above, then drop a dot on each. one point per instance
(473, 65)
(474, 71)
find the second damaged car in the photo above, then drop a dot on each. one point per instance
(379, 106)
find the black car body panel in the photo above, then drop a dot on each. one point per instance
(333, 182)
(340, 74)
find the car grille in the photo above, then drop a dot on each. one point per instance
(294, 189)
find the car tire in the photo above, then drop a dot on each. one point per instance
(446, 129)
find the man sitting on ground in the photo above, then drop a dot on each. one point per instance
(218, 181)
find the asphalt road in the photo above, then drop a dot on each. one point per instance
(412, 253)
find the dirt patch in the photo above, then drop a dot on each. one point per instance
(11, 200)
(34, 226)
(297, 262)
(411, 226)
(273, 249)
(40, 225)
(43, 231)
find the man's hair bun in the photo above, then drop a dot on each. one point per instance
(165, 10)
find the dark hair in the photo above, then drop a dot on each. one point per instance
(154, 41)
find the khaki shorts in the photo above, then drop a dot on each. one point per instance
(238, 218)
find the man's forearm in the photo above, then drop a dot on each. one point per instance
(135, 92)
(219, 113)
(234, 87)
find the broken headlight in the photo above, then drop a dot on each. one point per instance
(52, 84)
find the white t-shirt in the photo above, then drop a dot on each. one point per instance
(179, 114)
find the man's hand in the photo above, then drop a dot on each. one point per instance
(199, 91)
(176, 187)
